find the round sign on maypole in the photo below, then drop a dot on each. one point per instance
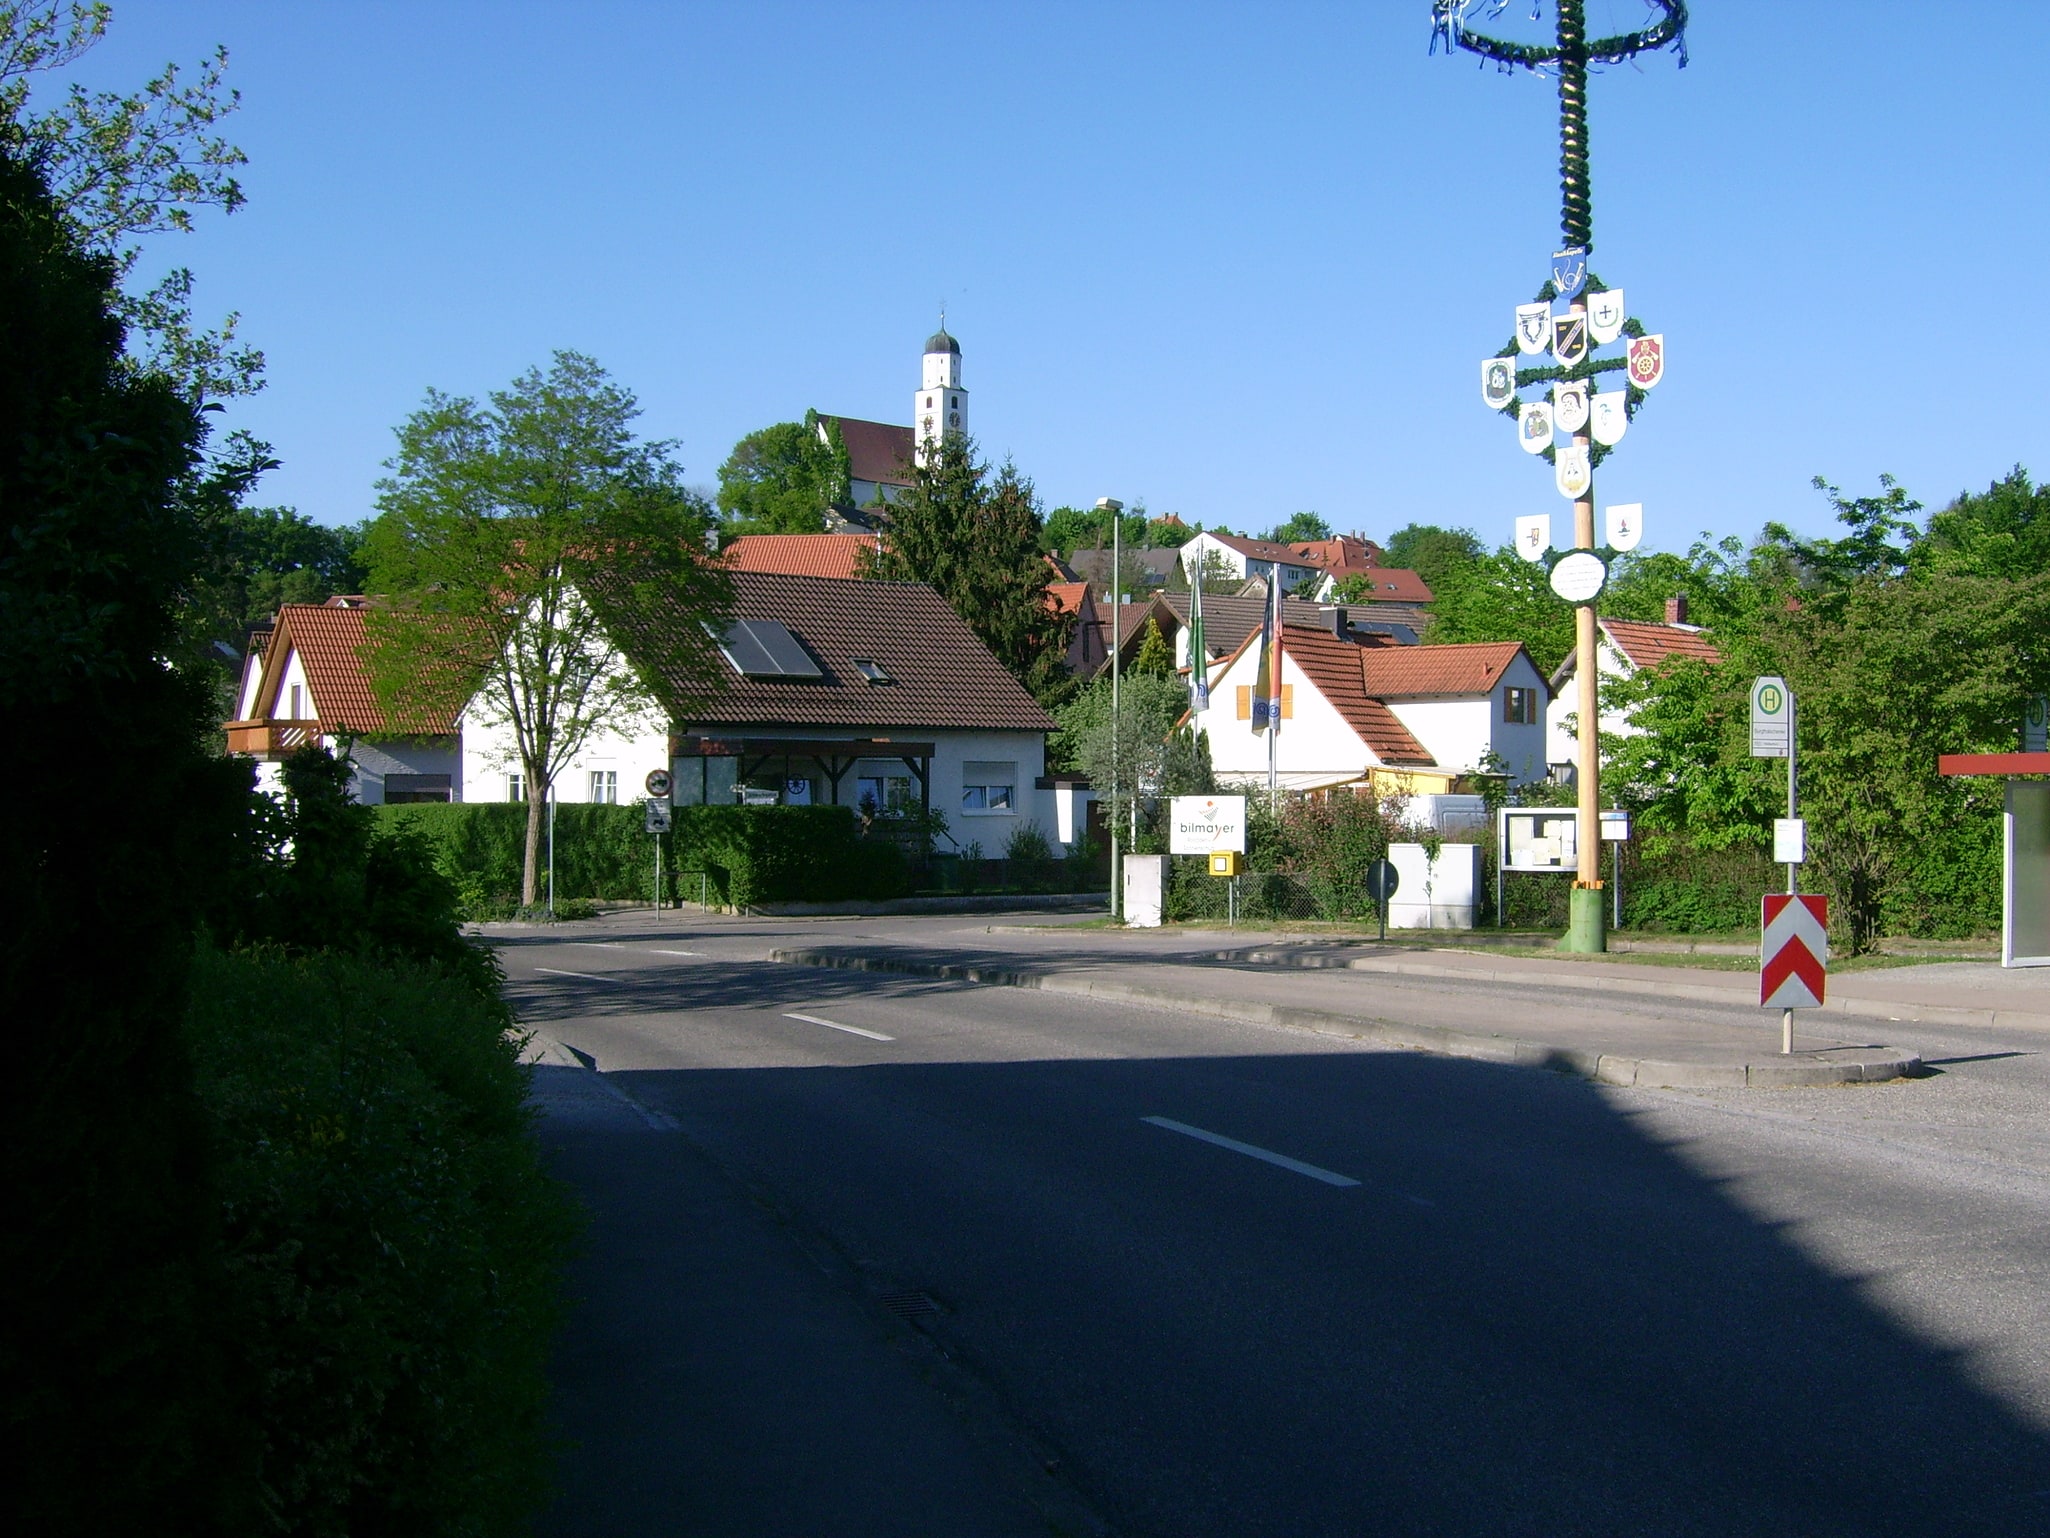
(1558, 356)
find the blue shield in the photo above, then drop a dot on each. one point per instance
(1569, 271)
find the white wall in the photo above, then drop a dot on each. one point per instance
(1315, 741)
(1459, 730)
(629, 747)
(1562, 745)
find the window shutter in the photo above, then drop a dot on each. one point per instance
(1245, 702)
(1288, 702)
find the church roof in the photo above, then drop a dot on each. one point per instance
(877, 451)
(939, 341)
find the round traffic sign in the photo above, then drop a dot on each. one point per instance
(658, 782)
(1382, 881)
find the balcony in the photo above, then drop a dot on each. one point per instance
(271, 739)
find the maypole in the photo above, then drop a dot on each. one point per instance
(1561, 428)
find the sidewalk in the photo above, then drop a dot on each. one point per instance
(1656, 1026)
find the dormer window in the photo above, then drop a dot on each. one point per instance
(871, 671)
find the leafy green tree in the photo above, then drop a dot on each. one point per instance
(1069, 529)
(782, 478)
(1215, 575)
(1431, 552)
(499, 528)
(1150, 706)
(977, 542)
(2003, 531)
(1502, 597)
(1301, 526)
(1168, 532)
(122, 165)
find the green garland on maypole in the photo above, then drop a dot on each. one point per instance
(1570, 54)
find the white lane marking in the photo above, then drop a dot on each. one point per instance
(835, 1025)
(660, 952)
(598, 945)
(589, 977)
(1251, 1152)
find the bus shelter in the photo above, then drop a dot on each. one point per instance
(2025, 861)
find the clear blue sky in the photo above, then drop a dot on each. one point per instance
(1232, 261)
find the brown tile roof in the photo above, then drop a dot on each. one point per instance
(800, 555)
(1423, 672)
(942, 676)
(1228, 619)
(1334, 666)
(877, 451)
(1649, 646)
(328, 639)
(1391, 584)
(1267, 550)
(1067, 597)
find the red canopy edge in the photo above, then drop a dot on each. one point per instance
(1993, 763)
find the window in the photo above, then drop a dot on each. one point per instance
(406, 789)
(605, 786)
(868, 669)
(516, 786)
(1519, 706)
(298, 704)
(988, 788)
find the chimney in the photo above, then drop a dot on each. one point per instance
(1676, 609)
(1340, 625)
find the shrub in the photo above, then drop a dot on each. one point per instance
(392, 1245)
(758, 854)
(602, 852)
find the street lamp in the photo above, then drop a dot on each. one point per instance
(1114, 507)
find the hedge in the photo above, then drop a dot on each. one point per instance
(758, 854)
(601, 851)
(392, 1246)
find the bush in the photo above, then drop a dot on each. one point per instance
(601, 852)
(392, 1246)
(759, 854)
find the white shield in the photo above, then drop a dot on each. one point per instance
(1534, 427)
(1605, 315)
(1569, 337)
(1623, 525)
(1533, 327)
(1647, 359)
(1570, 468)
(1607, 418)
(1498, 382)
(1534, 536)
(1569, 405)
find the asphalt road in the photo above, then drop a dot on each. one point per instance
(1221, 1278)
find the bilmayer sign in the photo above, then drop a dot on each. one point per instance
(1207, 825)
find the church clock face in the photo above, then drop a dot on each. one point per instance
(953, 419)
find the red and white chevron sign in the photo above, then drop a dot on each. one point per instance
(1794, 960)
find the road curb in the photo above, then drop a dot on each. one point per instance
(1869, 1065)
(1840, 1004)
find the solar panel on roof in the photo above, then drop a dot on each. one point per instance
(764, 648)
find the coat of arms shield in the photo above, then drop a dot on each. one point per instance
(1608, 417)
(1534, 427)
(1498, 382)
(1623, 525)
(1572, 471)
(1533, 327)
(1569, 405)
(1605, 315)
(1647, 356)
(1569, 270)
(1534, 536)
(1569, 337)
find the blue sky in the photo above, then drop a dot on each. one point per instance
(1230, 260)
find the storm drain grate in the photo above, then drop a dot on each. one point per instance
(909, 1303)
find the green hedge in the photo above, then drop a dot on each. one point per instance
(760, 854)
(601, 852)
(393, 1247)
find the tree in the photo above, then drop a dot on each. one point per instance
(1155, 757)
(1155, 658)
(1299, 528)
(126, 165)
(1069, 529)
(497, 529)
(1501, 597)
(782, 478)
(1215, 574)
(1431, 552)
(2003, 531)
(978, 544)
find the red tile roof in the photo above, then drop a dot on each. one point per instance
(1390, 584)
(1334, 666)
(799, 555)
(1266, 550)
(941, 675)
(1067, 597)
(877, 451)
(1424, 672)
(1646, 645)
(328, 639)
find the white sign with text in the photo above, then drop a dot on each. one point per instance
(1207, 825)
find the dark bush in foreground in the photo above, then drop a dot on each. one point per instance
(393, 1248)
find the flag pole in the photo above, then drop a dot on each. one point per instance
(1274, 697)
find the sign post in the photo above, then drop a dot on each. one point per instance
(658, 786)
(1774, 735)
(1382, 880)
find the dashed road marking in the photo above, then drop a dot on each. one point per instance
(1267, 1155)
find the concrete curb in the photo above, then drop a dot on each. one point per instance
(1016, 902)
(1594, 981)
(1839, 1066)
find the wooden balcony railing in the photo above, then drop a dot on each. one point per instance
(271, 739)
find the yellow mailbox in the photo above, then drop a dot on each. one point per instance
(1225, 863)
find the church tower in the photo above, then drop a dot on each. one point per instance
(941, 405)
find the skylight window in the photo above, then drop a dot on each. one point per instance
(871, 671)
(764, 648)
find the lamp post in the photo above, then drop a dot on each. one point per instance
(1114, 507)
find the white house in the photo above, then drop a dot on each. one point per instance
(1310, 568)
(1471, 706)
(1623, 648)
(1334, 733)
(304, 682)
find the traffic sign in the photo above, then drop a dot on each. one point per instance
(1772, 719)
(1382, 881)
(657, 782)
(658, 814)
(1793, 959)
